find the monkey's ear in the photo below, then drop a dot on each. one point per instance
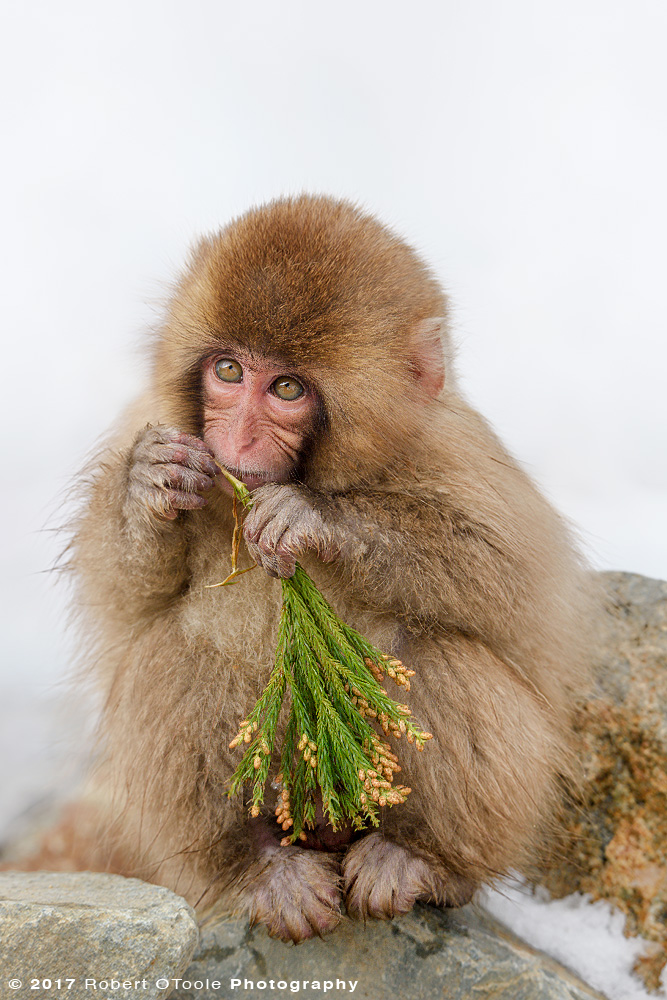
(428, 356)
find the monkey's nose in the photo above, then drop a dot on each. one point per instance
(242, 439)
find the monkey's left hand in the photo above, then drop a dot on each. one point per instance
(284, 523)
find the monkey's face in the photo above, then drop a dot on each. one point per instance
(305, 288)
(257, 416)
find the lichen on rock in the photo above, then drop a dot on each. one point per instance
(616, 835)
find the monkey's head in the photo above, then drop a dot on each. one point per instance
(304, 340)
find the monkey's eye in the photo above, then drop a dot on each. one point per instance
(287, 387)
(228, 370)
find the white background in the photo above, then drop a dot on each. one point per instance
(520, 145)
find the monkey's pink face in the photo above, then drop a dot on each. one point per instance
(257, 417)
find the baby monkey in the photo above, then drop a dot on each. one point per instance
(306, 350)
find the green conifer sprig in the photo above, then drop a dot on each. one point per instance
(334, 676)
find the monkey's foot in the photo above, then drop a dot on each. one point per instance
(295, 892)
(382, 879)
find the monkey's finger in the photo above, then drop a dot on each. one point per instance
(276, 556)
(271, 535)
(164, 433)
(285, 566)
(177, 476)
(185, 501)
(315, 537)
(183, 479)
(255, 523)
(200, 461)
(158, 503)
(194, 458)
(267, 524)
(193, 442)
(274, 565)
(267, 561)
(168, 514)
(257, 556)
(296, 541)
(271, 502)
(165, 504)
(179, 454)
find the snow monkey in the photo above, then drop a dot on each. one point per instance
(306, 349)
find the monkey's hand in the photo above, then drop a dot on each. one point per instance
(284, 523)
(169, 470)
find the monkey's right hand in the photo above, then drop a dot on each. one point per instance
(169, 470)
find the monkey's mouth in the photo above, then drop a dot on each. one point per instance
(253, 480)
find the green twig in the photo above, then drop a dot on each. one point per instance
(330, 747)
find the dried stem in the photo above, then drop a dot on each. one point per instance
(242, 494)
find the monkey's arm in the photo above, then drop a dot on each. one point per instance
(415, 554)
(131, 545)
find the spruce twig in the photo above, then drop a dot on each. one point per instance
(330, 746)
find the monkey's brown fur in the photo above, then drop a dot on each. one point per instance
(454, 562)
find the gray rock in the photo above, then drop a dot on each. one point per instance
(55, 928)
(427, 954)
(632, 665)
